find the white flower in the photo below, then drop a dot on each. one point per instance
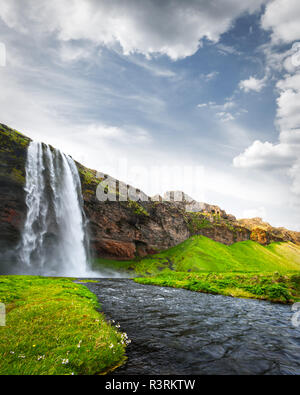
(111, 345)
(65, 361)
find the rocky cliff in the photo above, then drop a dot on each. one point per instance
(13, 150)
(123, 229)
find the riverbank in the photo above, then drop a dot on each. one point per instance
(53, 327)
(176, 331)
(275, 287)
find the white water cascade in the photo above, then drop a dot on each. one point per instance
(54, 239)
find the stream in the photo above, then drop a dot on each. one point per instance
(175, 331)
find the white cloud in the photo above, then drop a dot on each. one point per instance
(225, 116)
(124, 135)
(265, 155)
(282, 18)
(221, 110)
(252, 84)
(210, 76)
(69, 52)
(172, 27)
(259, 212)
(227, 49)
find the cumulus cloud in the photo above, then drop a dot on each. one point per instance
(171, 27)
(282, 18)
(265, 155)
(252, 84)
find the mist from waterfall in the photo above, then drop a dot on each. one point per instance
(54, 239)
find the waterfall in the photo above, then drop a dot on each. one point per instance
(54, 239)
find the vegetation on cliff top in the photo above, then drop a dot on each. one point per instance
(11, 139)
(52, 327)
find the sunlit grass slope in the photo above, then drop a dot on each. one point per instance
(201, 254)
(53, 327)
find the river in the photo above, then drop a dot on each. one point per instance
(175, 331)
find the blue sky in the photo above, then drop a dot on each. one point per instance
(196, 96)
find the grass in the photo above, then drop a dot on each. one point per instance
(275, 287)
(244, 269)
(53, 328)
(201, 254)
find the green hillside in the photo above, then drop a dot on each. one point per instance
(245, 269)
(201, 254)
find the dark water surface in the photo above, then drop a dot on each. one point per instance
(175, 331)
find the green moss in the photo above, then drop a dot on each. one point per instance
(10, 139)
(53, 327)
(88, 176)
(196, 222)
(18, 176)
(138, 208)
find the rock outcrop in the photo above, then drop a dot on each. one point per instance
(121, 228)
(13, 151)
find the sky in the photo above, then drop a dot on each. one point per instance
(196, 95)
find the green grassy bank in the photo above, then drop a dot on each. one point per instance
(53, 327)
(244, 269)
(276, 287)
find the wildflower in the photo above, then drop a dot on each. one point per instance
(40, 357)
(65, 361)
(111, 345)
(79, 344)
(22, 356)
(12, 352)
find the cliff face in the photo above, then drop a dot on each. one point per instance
(13, 151)
(123, 229)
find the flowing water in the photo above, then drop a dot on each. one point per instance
(54, 239)
(175, 331)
